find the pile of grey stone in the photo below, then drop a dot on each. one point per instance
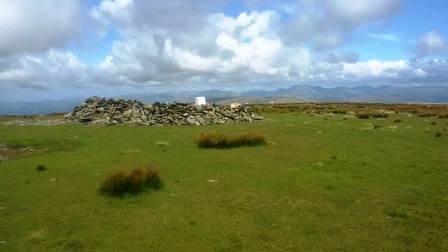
(102, 111)
(3, 151)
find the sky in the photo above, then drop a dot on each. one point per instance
(53, 49)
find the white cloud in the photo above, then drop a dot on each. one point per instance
(431, 43)
(30, 26)
(10, 75)
(172, 42)
(361, 11)
(180, 16)
(372, 72)
(242, 46)
(190, 61)
(168, 42)
(376, 68)
(112, 10)
(420, 73)
(329, 23)
(55, 68)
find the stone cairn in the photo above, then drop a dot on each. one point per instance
(102, 111)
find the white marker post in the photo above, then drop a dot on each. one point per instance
(200, 101)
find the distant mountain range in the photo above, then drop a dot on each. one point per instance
(386, 94)
(383, 94)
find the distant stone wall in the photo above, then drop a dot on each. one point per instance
(102, 111)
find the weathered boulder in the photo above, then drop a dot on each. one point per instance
(102, 111)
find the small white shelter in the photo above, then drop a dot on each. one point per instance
(200, 100)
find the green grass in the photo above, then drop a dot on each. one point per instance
(323, 183)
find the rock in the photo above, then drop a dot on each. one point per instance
(101, 121)
(319, 163)
(93, 99)
(131, 151)
(127, 113)
(257, 117)
(191, 121)
(102, 111)
(162, 143)
(135, 112)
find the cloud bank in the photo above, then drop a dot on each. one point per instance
(195, 42)
(32, 26)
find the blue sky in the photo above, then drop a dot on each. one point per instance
(113, 47)
(415, 18)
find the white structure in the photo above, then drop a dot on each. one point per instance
(234, 105)
(200, 100)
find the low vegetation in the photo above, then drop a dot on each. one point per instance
(136, 181)
(41, 168)
(364, 115)
(424, 114)
(221, 141)
(421, 110)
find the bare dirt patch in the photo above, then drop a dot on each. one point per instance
(20, 150)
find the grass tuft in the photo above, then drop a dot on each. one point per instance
(426, 114)
(221, 141)
(379, 115)
(364, 115)
(397, 214)
(41, 168)
(438, 134)
(134, 182)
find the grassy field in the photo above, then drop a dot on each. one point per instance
(322, 183)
